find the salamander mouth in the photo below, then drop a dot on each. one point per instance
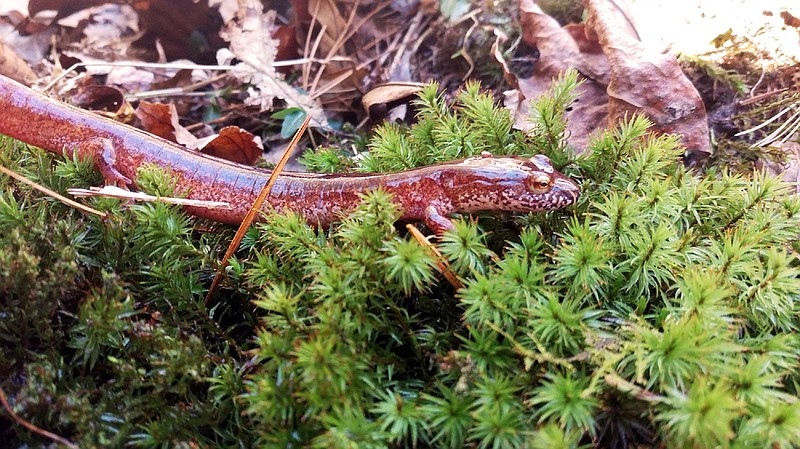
(564, 192)
(568, 187)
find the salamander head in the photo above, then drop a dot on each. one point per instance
(511, 184)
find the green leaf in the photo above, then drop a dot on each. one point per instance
(292, 119)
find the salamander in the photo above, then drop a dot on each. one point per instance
(429, 194)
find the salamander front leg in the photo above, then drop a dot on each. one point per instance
(105, 158)
(436, 221)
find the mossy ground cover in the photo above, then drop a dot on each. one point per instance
(658, 310)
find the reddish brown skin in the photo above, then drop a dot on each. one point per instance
(426, 194)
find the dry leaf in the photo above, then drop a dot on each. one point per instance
(508, 75)
(625, 78)
(647, 82)
(184, 29)
(790, 169)
(63, 8)
(232, 143)
(236, 145)
(14, 67)
(182, 77)
(227, 8)
(326, 13)
(30, 40)
(99, 98)
(385, 96)
(162, 120)
(559, 51)
(288, 47)
(251, 43)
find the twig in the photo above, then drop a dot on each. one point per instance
(51, 193)
(255, 209)
(759, 97)
(33, 428)
(441, 262)
(169, 65)
(352, 27)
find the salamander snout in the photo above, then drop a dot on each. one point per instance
(565, 191)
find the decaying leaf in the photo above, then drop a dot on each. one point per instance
(335, 37)
(625, 78)
(385, 96)
(99, 98)
(333, 25)
(14, 67)
(789, 170)
(236, 145)
(508, 75)
(558, 51)
(232, 143)
(252, 44)
(162, 120)
(647, 82)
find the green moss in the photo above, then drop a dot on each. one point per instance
(658, 310)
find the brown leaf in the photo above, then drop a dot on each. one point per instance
(185, 29)
(253, 51)
(508, 75)
(647, 82)
(623, 79)
(387, 95)
(162, 120)
(236, 145)
(595, 63)
(287, 45)
(14, 67)
(790, 169)
(587, 114)
(790, 20)
(99, 98)
(182, 77)
(326, 14)
(558, 51)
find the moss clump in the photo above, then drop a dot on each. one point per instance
(659, 310)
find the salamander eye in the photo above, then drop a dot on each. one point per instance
(541, 182)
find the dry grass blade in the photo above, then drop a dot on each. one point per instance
(116, 192)
(255, 208)
(785, 130)
(615, 381)
(767, 122)
(51, 193)
(441, 262)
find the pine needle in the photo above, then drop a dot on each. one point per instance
(51, 193)
(254, 209)
(441, 262)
